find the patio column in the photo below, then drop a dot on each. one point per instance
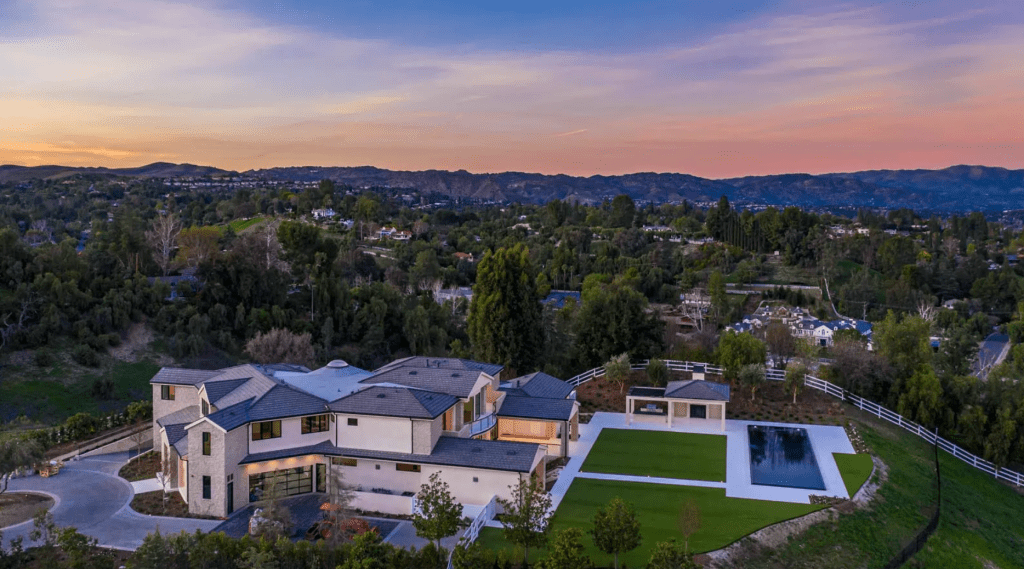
(723, 417)
(671, 407)
(629, 410)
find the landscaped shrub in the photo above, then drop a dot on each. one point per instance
(86, 356)
(113, 339)
(657, 372)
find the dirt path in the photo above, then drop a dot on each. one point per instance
(17, 507)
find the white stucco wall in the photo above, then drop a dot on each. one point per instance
(375, 433)
(184, 396)
(291, 437)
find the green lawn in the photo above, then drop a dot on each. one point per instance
(724, 520)
(240, 225)
(658, 453)
(855, 469)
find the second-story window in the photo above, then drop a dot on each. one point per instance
(206, 444)
(353, 422)
(266, 430)
(206, 408)
(315, 424)
(167, 392)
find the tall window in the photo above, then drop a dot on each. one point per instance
(206, 444)
(315, 424)
(266, 430)
(206, 408)
(167, 392)
(467, 411)
(206, 487)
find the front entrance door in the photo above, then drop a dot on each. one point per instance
(698, 411)
(321, 478)
(231, 497)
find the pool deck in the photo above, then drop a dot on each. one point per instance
(824, 440)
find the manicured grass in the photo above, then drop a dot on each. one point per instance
(658, 453)
(240, 225)
(724, 520)
(981, 523)
(855, 469)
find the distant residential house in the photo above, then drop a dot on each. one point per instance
(468, 257)
(557, 298)
(323, 213)
(454, 294)
(401, 235)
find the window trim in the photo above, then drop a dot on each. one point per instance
(167, 393)
(259, 433)
(353, 421)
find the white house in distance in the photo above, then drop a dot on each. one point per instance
(233, 434)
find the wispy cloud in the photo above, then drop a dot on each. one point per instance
(104, 81)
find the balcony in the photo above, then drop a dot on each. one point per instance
(483, 424)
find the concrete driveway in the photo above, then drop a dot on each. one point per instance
(89, 495)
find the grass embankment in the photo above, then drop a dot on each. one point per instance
(982, 522)
(855, 469)
(48, 395)
(240, 225)
(658, 453)
(724, 520)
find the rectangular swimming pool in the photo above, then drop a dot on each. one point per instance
(782, 456)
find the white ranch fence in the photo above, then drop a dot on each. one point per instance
(834, 390)
(478, 523)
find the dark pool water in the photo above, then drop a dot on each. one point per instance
(782, 456)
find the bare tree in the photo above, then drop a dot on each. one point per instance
(139, 438)
(927, 311)
(281, 345)
(15, 453)
(780, 341)
(166, 464)
(695, 306)
(162, 237)
(689, 521)
(198, 244)
(420, 227)
(8, 328)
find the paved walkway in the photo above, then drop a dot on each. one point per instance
(825, 440)
(90, 496)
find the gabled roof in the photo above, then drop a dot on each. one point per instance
(449, 451)
(333, 381)
(216, 390)
(285, 401)
(537, 408)
(180, 376)
(180, 436)
(395, 402)
(697, 389)
(538, 384)
(181, 416)
(231, 417)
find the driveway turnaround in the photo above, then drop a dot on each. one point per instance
(89, 495)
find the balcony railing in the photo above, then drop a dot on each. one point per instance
(482, 424)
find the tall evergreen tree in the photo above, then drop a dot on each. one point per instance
(505, 315)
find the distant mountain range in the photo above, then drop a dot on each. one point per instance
(958, 188)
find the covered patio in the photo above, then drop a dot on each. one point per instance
(693, 400)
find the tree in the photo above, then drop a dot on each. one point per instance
(623, 211)
(737, 350)
(17, 452)
(438, 514)
(780, 340)
(567, 552)
(616, 528)
(752, 375)
(795, 379)
(526, 516)
(689, 521)
(280, 345)
(504, 322)
(613, 319)
(717, 294)
(904, 343)
(163, 238)
(671, 555)
(657, 372)
(921, 397)
(198, 245)
(335, 528)
(617, 370)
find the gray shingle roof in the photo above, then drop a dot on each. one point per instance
(232, 417)
(443, 363)
(395, 402)
(285, 401)
(449, 451)
(456, 382)
(181, 416)
(637, 391)
(180, 376)
(537, 408)
(216, 390)
(538, 384)
(697, 389)
(177, 436)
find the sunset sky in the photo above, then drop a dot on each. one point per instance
(711, 88)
